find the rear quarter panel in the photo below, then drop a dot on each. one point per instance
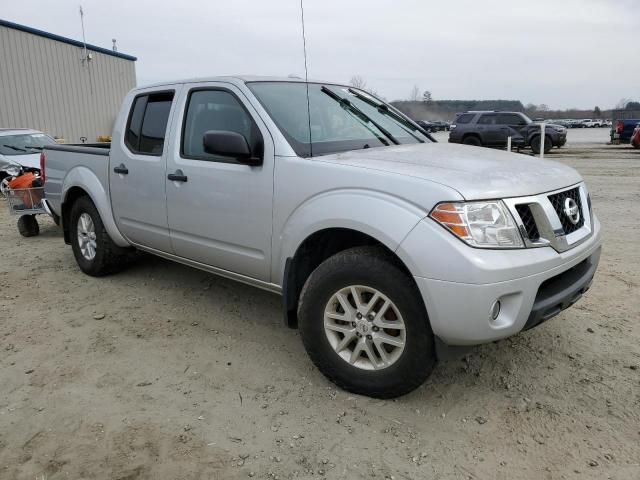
(85, 168)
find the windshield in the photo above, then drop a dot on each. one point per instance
(24, 144)
(342, 118)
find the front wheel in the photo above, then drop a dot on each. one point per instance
(93, 249)
(535, 144)
(364, 325)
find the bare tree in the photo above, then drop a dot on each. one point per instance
(426, 96)
(358, 82)
(543, 107)
(414, 96)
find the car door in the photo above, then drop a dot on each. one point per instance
(487, 128)
(137, 170)
(512, 124)
(220, 210)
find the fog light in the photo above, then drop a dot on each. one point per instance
(495, 310)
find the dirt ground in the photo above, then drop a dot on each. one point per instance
(167, 372)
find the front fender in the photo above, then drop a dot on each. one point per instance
(84, 178)
(384, 217)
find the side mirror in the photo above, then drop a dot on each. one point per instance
(230, 144)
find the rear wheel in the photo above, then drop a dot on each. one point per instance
(472, 140)
(364, 325)
(93, 249)
(28, 226)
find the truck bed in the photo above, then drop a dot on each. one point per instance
(61, 159)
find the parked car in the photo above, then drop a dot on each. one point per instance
(622, 130)
(427, 125)
(561, 122)
(387, 248)
(441, 126)
(22, 146)
(492, 128)
(433, 127)
(635, 137)
(590, 123)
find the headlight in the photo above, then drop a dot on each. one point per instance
(479, 224)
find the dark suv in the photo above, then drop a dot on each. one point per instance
(491, 129)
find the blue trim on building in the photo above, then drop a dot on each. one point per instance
(52, 36)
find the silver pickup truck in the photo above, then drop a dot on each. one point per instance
(384, 245)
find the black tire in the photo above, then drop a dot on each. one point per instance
(472, 140)
(535, 144)
(371, 267)
(28, 226)
(109, 257)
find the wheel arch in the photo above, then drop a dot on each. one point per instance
(81, 181)
(321, 226)
(536, 136)
(314, 250)
(472, 134)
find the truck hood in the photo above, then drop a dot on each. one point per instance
(475, 172)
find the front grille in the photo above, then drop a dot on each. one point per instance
(558, 201)
(528, 222)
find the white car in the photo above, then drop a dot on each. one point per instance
(590, 123)
(22, 146)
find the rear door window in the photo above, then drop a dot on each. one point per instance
(465, 118)
(147, 125)
(487, 119)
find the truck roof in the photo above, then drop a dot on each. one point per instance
(235, 79)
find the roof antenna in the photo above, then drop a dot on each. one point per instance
(306, 76)
(115, 47)
(84, 43)
(86, 57)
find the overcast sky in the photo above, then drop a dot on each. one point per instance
(563, 53)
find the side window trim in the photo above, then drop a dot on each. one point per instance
(464, 118)
(133, 104)
(185, 115)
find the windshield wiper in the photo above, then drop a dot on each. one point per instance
(361, 116)
(384, 110)
(35, 148)
(14, 148)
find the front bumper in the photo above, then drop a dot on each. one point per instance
(531, 284)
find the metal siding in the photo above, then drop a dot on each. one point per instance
(44, 85)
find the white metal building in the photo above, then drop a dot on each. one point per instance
(51, 83)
